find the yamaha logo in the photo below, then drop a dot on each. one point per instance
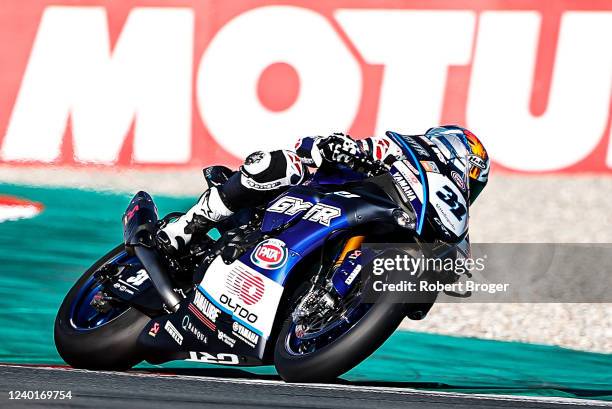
(245, 334)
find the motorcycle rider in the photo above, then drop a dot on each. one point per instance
(264, 175)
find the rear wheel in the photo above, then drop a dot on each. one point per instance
(90, 339)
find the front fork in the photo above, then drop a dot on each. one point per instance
(347, 266)
(338, 282)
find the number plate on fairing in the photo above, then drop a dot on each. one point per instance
(449, 203)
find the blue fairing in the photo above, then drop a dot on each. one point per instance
(289, 217)
(336, 175)
(304, 236)
(295, 217)
(274, 220)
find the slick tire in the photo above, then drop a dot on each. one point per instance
(111, 346)
(344, 353)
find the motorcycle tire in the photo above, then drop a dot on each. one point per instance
(344, 353)
(111, 346)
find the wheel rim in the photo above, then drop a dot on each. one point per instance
(83, 316)
(304, 344)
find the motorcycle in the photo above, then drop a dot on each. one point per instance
(279, 284)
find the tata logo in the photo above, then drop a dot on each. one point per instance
(270, 254)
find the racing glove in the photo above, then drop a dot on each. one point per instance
(339, 148)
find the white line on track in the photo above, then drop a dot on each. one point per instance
(331, 387)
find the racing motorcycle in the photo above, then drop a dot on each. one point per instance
(280, 284)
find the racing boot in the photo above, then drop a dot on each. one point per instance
(209, 209)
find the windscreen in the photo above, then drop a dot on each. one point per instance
(411, 180)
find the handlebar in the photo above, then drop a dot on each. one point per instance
(369, 166)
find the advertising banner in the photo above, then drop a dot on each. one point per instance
(188, 83)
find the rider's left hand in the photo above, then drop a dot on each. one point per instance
(339, 148)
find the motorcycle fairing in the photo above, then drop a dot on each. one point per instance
(332, 211)
(444, 194)
(288, 207)
(210, 332)
(242, 292)
(449, 203)
(412, 190)
(248, 295)
(229, 316)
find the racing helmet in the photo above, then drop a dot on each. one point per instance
(465, 150)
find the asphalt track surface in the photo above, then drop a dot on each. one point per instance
(185, 389)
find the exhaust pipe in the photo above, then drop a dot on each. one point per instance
(139, 226)
(150, 261)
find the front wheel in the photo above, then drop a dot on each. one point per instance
(90, 339)
(322, 357)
